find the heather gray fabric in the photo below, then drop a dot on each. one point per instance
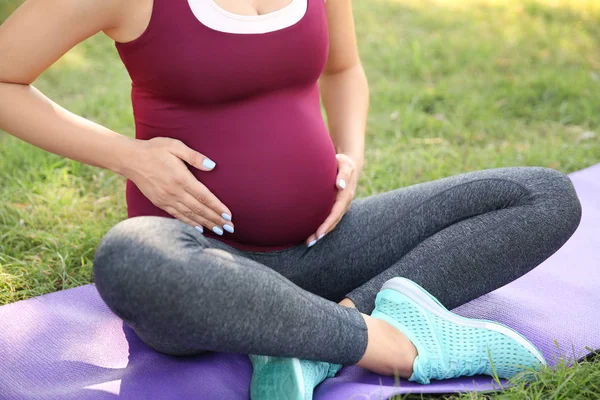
(459, 237)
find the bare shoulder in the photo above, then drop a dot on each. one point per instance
(41, 31)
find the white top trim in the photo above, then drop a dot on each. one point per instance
(210, 14)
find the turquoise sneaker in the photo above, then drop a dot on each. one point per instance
(449, 345)
(284, 378)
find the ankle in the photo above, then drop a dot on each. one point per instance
(347, 303)
(389, 351)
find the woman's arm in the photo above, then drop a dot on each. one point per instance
(343, 84)
(37, 35)
(33, 38)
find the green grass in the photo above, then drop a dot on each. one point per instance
(579, 381)
(456, 86)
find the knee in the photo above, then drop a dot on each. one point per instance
(114, 248)
(118, 260)
(138, 280)
(557, 198)
(123, 242)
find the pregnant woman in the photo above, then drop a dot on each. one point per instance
(243, 234)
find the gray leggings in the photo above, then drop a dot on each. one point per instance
(459, 237)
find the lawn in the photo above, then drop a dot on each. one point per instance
(455, 86)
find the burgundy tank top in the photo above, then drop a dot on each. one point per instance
(249, 102)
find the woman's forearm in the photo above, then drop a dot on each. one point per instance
(346, 99)
(32, 117)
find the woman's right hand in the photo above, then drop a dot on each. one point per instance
(155, 165)
(158, 170)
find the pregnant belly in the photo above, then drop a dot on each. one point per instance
(275, 172)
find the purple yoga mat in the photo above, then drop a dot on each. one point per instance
(69, 345)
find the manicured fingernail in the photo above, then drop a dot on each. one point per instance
(217, 230)
(320, 236)
(342, 183)
(228, 228)
(312, 243)
(208, 163)
(226, 216)
(199, 228)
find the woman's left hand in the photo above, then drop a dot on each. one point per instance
(346, 181)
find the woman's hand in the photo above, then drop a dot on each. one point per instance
(346, 181)
(158, 171)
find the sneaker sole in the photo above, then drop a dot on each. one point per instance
(431, 304)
